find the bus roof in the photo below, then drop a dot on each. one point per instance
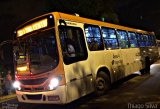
(59, 15)
(100, 23)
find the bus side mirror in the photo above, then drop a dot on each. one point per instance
(16, 55)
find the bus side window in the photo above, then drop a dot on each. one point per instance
(72, 44)
(110, 39)
(140, 40)
(93, 37)
(132, 39)
(150, 43)
(123, 39)
(153, 39)
(145, 40)
(149, 40)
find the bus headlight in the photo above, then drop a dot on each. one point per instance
(16, 85)
(54, 83)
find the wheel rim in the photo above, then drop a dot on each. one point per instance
(101, 84)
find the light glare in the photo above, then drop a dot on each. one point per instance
(53, 83)
(24, 68)
(16, 85)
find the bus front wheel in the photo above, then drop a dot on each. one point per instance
(102, 83)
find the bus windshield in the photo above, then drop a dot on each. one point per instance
(39, 50)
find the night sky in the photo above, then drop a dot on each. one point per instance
(15, 12)
(142, 14)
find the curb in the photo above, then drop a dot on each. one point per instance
(6, 98)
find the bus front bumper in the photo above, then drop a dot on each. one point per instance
(57, 96)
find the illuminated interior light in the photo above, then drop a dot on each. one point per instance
(23, 68)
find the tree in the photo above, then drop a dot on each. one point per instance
(14, 13)
(95, 9)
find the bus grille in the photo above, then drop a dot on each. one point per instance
(33, 81)
(34, 97)
(33, 89)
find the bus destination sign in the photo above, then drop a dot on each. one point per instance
(32, 27)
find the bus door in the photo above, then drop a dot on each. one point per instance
(74, 55)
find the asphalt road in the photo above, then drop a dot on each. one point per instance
(134, 92)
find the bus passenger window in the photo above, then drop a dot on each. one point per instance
(153, 41)
(150, 40)
(72, 44)
(132, 39)
(145, 40)
(123, 39)
(94, 38)
(109, 36)
(140, 40)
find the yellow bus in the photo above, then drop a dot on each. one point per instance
(60, 58)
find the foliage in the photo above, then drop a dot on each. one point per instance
(95, 9)
(16, 12)
(3, 71)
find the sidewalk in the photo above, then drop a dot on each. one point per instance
(4, 98)
(7, 97)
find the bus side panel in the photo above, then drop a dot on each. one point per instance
(131, 60)
(79, 80)
(113, 61)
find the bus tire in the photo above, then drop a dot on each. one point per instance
(103, 83)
